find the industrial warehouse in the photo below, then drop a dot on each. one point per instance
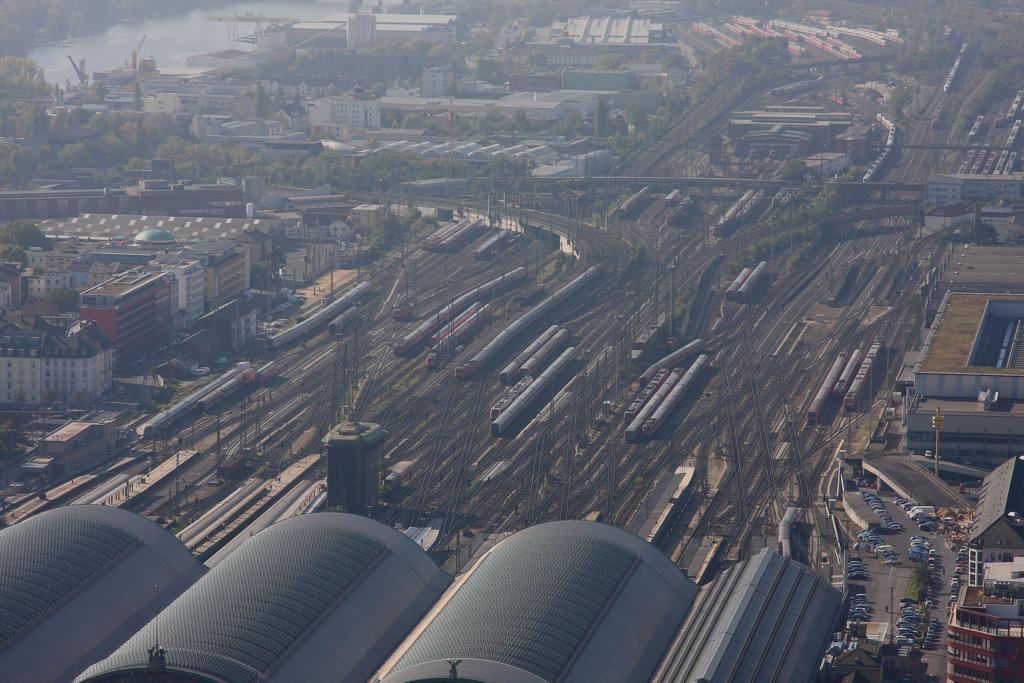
(971, 369)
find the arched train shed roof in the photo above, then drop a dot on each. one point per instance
(320, 597)
(76, 581)
(565, 601)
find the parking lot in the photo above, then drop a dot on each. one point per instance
(884, 575)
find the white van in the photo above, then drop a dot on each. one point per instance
(923, 509)
(883, 548)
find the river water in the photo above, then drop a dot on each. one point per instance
(170, 40)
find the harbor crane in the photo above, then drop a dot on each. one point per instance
(83, 77)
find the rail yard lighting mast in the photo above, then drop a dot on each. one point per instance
(937, 420)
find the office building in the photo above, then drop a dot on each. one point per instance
(233, 325)
(981, 432)
(331, 114)
(134, 309)
(226, 270)
(986, 633)
(190, 282)
(973, 346)
(361, 31)
(78, 445)
(436, 80)
(953, 188)
(971, 368)
(54, 361)
(997, 530)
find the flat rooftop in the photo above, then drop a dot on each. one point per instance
(976, 596)
(124, 282)
(69, 431)
(1015, 177)
(352, 432)
(968, 406)
(1005, 571)
(950, 346)
(994, 265)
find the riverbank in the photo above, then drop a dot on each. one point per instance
(68, 21)
(170, 39)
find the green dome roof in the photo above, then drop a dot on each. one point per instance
(154, 236)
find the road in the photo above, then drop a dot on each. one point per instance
(885, 583)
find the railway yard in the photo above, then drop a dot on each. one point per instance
(566, 453)
(687, 347)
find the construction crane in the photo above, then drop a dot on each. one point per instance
(136, 53)
(83, 78)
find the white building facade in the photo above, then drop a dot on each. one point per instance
(46, 364)
(354, 113)
(190, 282)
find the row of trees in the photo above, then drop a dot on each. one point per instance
(122, 140)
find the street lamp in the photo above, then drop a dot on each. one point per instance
(937, 421)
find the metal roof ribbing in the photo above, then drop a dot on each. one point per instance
(521, 609)
(46, 560)
(1002, 492)
(321, 597)
(239, 621)
(538, 600)
(765, 620)
(87, 570)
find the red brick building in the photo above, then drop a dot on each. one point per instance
(133, 309)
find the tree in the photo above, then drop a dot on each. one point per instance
(608, 61)
(675, 60)
(12, 253)
(262, 274)
(440, 53)
(793, 169)
(570, 123)
(491, 71)
(40, 123)
(520, 122)
(21, 77)
(76, 155)
(66, 300)
(899, 98)
(636, 119)
(279, 102)
(537, 60)
(25, 234)
(984, 233)
(601, 118)
(262, 101)
(17, 164)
